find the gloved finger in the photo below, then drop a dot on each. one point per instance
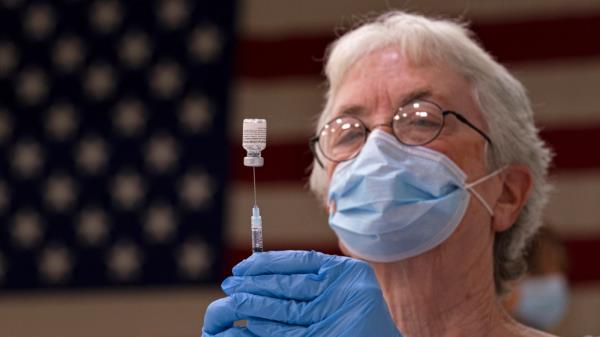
(281, 262)
(303, 287)
(266, 328)
(231, 332)
(282, 310)
(220, 316)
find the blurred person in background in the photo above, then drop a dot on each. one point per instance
(541, 298)
(428, 160)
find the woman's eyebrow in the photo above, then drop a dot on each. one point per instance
(353, 110)
(359, 111)
(416, 95)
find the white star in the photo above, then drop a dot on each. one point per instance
(39, 21)
(55, 264)
(61, 121)
(8, 58)
(173, 13)
(27, 159)
(26, 231)
(135, 49)
(32, 86)
(92, 155)
(205, 43)
(161, 153)
(60, 192)
(160, 223)
(5, 126)
(4, 196)
(194, 259)
(196, 190)
(124, 261)
(130, 117)
(92, 226)
(196, 114)
(127, 190)
(99, 81)
(106, 16)
(68, 53)
(166, 79)
(3, 268)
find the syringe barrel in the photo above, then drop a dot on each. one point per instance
(257, 240)
(256, 227)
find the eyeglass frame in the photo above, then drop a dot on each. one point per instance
(315, 139)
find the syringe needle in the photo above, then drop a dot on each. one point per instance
(254, 183)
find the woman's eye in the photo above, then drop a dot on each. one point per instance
(424, 123)
(348, 137)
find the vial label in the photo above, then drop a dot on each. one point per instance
(254, 136)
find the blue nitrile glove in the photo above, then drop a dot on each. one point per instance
(300, 293)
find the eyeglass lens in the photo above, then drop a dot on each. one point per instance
(417, 123)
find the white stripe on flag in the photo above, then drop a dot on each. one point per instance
(277, 18)
(573, 209)
(291, 214)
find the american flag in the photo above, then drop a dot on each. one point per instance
(550, 46)
(113, 153)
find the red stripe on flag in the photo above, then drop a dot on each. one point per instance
(574, 148)
(530, 40)
(284, 162)
(541, 39)
(583, 256)
(285, 57)
(289, 162)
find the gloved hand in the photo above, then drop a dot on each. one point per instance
(300, 293)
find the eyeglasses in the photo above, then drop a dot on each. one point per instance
(416, 123)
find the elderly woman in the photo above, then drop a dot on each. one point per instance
(429, 163)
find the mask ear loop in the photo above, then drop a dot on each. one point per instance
(470, 188)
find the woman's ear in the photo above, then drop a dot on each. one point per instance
(516, 186)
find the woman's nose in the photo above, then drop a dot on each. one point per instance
(385, 127)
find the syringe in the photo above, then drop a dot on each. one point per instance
(256, 221)
(254, 140)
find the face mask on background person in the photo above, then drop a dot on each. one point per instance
(395, 201)
(542, 300)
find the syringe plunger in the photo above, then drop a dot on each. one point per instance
(254, 140)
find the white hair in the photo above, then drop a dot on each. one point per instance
(500, 96)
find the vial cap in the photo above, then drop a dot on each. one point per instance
(254, 161)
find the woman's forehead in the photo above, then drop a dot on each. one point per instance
(389, 68)
(386, 76)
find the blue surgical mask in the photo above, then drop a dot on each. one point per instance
(395, 201)
(542, 301)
